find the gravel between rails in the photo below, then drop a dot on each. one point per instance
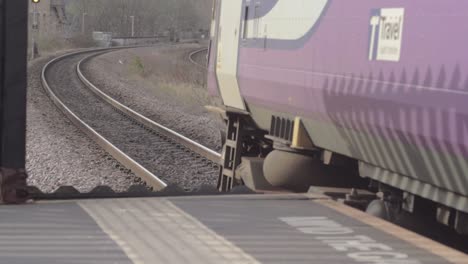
(58, 154)
(172, 165)
(109, 72)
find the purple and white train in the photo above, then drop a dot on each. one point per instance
(378, 87)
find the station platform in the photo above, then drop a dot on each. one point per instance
(286, 228)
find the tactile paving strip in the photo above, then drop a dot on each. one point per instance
(156, 231)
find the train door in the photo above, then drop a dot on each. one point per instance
(228, 51)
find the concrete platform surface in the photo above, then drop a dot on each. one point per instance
(211, 229)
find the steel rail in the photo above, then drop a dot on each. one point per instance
(193, 61)
(140, 171)
(167, 132)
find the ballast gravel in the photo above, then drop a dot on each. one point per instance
(167, 161)
(58, 154)
(111, 72)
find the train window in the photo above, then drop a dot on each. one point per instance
(246, 24)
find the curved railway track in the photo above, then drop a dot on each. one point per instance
(153, 152)
(192, 56)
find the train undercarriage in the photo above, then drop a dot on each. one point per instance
(285, 159)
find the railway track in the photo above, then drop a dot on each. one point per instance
(195, 53)
(153, 152)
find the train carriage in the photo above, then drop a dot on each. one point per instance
(376, 86)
